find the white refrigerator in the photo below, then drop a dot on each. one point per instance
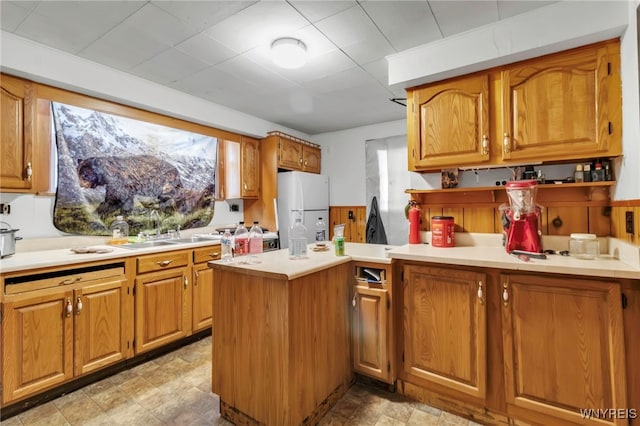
(301, 195)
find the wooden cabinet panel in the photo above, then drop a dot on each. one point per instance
(202, 302)
(445, 329)
(558, 107)
(354, 219)
(310, 159)
(100, 324)
(449, 123)
(370, 325)
(289, 154)
(250, 170)
(238, 174)
(18, 117)
(579, 323)
(39, 331)
(161, 303)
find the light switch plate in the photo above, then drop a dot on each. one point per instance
(628, 222)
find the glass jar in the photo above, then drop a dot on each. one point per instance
(584, 246)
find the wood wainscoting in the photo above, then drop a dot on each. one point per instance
(354, 219)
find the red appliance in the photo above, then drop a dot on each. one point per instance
(414, 223)
(522, 218)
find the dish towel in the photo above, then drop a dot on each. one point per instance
(375, 227)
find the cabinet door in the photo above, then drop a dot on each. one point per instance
(370, 332)
(230, 185)
(289, 154)
(563, 347)
(250, 170)
(444, 329)
(311, 159)
(100, 324)
(202, 307)
(563, 107)
(160, 308)
(449, 124)
(37, 341)
(18, 118)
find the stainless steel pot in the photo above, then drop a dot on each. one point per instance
(8, 240)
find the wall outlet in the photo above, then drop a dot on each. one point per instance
(234, 208)
(628, 222)
(5, 208)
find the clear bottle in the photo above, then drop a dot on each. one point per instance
(321, 232)
(255, 242)
(119, 231)
(241, 238)
(227, 246)
(298, 240)
(579, 174)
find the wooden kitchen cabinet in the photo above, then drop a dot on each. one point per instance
(202, 300)
(559, 107)
(238, 168)
(563, 106)
(449, 123)
(444, 337)
(372, 339)
(295, 154)
(62, 327)
(563, 344)
(162, 299)
(311, 157)
(18, 114)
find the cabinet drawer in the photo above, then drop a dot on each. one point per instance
(206, 254)
(161, 261)
(21, 284)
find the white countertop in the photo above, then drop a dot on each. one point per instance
(278, 263)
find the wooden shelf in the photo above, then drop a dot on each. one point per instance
(588, 194)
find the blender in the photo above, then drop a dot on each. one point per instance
(521, 219)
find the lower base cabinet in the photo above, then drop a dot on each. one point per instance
(202, 306)
(563, 344)
(518, 348)
(56, 334)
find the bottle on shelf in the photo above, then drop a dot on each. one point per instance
(255, 242)
(227, 246)
(298, 240)
(579, 174)
(597, 174)
(241, 239)
(119, 231)
(321, 232)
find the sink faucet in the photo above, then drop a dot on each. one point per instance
(155, 221)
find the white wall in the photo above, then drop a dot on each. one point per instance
(343, 159)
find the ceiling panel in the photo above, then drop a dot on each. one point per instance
(220, 50)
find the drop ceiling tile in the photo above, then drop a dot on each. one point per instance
(347, 79)
(509, 8)
(258, 24)
(12, 13)
(206, 49)
(368, 50)
(200, 15)
(124, 48)
(201, 82)
(317, 10)
(379, 70)
(348, 27)
(169, 66)
(248, 71)
(159, 25)
(319, 67)
(398, 21)
(71, 26)
(458, 16)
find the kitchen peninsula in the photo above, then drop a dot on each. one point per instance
(281, 332)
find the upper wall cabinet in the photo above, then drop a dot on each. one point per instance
(238, 168)
(296, 154)
(559, 107)
(17, 130)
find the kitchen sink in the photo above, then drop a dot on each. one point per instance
(148, 244)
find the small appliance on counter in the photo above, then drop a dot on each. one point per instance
(8, 240)
(521, 219)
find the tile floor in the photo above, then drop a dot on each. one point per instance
(175, 389)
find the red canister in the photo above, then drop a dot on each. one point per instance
(442, 231)
(414, 224)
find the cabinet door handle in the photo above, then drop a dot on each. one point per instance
(506, 142)
(214, 255)
(245, 185)
(300, 161)
(78, 306)
(354, 302)
(485, 145)
(505, 294)
(29, 172)
(480, 293)
(195, 278)
(306, 163)
(186, 282)
(69, 308)
(164, 263)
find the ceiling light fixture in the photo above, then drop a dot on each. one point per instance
(289, 52)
